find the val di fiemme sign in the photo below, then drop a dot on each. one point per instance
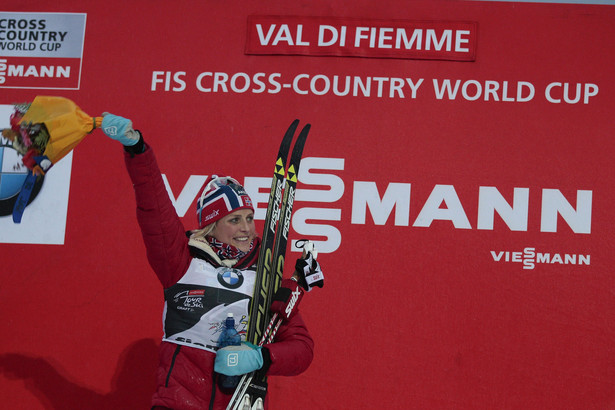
(368, 38)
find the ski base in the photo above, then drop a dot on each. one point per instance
(254, 397)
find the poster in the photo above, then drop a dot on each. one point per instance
(457, 180)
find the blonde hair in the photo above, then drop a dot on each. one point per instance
(203, 232)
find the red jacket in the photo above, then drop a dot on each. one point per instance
(185, 375)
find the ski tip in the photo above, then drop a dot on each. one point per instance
(306, 129)
(290, 131)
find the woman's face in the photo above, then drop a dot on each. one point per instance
(236, 229)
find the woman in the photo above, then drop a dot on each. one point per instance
(206, 274)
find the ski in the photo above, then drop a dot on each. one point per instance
(281, 239)
(259, 303)
(253, 387)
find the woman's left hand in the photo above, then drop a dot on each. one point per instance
(238, 360)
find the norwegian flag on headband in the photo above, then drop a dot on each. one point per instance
(219, 198)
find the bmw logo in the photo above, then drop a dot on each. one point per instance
(230, 278)
(12, 176)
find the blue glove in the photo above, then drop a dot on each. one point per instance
(119, 129)
(238, 360)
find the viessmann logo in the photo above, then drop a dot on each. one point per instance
(530, 257)
(41, 50)
(385, 204)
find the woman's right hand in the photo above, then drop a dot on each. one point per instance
(119, 129)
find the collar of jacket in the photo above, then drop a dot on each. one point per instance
(201, 249)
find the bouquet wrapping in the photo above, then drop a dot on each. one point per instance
(43, 132)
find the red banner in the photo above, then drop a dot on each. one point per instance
(457, 181)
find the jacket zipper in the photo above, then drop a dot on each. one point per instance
(166, 384)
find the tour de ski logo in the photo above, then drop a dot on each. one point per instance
(189, 299)
(230, 278)
(12, 176)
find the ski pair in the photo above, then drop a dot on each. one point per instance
(270, 266)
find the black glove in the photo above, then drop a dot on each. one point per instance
(287, 298)
(307, 269)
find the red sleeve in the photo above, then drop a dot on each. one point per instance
(163, 233)
(293, 349)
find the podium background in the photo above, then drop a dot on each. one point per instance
(421, 308)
